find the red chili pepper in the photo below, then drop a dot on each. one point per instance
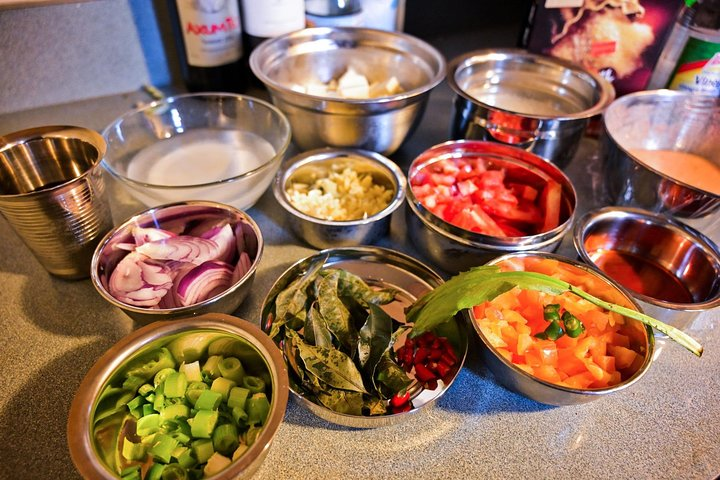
(399, 400)
(421, 354)
(443, 369)
(423, 373)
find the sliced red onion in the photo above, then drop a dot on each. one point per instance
(183, 247)
(203, 281)
(249, 238)
(225, 239)
(242, 267)
(140, 282)
(178, 270)
(125, 246)
(239, 237)
(143, 235)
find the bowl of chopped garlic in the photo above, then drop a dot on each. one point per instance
(349, 87)
(339, 197)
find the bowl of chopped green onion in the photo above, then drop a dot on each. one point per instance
(196, 398)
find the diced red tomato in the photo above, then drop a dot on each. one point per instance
(478, 196)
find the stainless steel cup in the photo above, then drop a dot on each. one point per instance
(52, 193)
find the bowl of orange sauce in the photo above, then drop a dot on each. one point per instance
(660, 153)
(671, 269)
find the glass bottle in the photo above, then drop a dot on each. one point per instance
(690, 60)
(209, 39)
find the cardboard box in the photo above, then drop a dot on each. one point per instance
(620, 39)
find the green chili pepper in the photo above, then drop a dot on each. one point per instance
(551, 312)
(552, 332)
(573, 326)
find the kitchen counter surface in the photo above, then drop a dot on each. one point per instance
(52, 331)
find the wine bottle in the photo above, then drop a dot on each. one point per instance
(270, 18)
(209, 38)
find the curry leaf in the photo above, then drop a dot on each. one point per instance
(330, 365)
(350, 285)
(391, 375)
(375, 406)
(342, 401)
(374, 339)
(316, 331)
(290, 302)
(334, 312)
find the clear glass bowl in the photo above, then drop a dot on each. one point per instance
(206, 146)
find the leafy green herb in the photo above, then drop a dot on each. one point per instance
(481, 284)
(333, 311)
(350, 285)
(330, 365)
(316, 331)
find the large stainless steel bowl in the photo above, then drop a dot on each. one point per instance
(456, 249)
(518, 380)
(678, 267)
(662, 120)
(319, 55)
(534, 102)
(256, 347)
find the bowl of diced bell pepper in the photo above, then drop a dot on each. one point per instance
(195, 398)
(559, 347)
(470, 201)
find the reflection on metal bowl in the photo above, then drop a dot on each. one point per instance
(668, 121)
(672, 270)
(537, 103)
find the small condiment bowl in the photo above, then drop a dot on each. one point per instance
(455, 249)
(518, 380)
(179, 218)
(671, 269)
(535, 102)
(317, 164)
(674, 123)
(260, 356)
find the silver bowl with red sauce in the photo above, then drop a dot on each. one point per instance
(672, 270)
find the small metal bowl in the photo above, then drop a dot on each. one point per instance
(256, 347)
(522, 382)
(671, 269)
(320, 233)
(666, 120)
(538, 103)
(455, 249)
(177, 217)
(379, 268)
(320, 55)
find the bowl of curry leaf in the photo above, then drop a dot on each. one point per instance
(338, 316)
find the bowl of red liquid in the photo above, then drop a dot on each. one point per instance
(671, 269)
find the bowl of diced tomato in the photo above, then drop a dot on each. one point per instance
(561, 349)
(470, 201)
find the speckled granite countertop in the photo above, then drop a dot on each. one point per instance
(52, 331)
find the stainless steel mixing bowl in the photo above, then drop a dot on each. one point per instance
(537, 103)
(650, 241)
(319, 55)
(662, 120)
(321, 233)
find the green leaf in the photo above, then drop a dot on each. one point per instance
(290, 302)
(350, 285)
(391, 376)
(481, 284)
(316, 331)
(374, 339)
(342, 401)
(330, 365)
(375, 406)
(334, 312)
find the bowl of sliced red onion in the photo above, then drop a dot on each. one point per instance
(178, 260)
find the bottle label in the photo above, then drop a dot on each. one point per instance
(211, 30)
(698, 68)
(272, 18)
